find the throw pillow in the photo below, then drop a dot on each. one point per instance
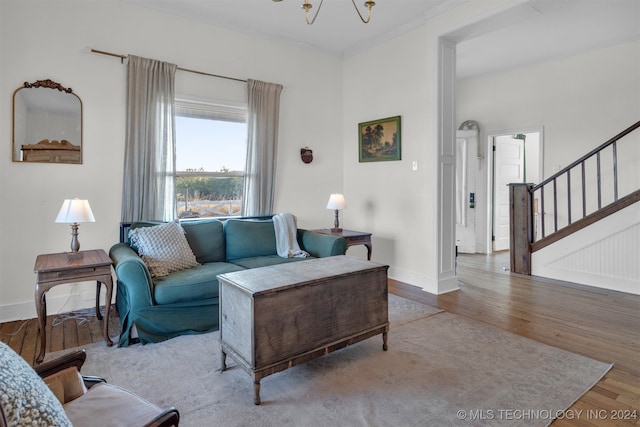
(164, 248)
(25, 398)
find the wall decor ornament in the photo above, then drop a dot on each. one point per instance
(379, 140)
(306, 154)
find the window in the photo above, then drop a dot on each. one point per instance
(211, 148)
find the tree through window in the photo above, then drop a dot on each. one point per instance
(211, 147)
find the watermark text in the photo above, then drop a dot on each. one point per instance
(547, 414)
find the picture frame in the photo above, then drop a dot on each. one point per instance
(379, 140)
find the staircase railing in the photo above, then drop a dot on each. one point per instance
(598, 189)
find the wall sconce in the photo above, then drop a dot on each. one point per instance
(72, 212)
(337, 203)
(306, 154)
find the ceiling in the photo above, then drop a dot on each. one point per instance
(531, 31)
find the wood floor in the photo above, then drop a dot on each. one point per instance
(603, 325)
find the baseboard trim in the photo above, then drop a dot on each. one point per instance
(55, 305)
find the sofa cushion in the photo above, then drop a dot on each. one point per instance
(206, 238)
(194, 284)
(249, 238)
(25, 398)
(263, 261)
(164, 248)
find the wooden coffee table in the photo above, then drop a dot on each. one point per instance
(272, 318)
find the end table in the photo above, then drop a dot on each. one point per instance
(352, 238)
(72, 267)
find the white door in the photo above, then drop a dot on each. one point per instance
(508, 168)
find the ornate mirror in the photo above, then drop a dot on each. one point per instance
(47, 124)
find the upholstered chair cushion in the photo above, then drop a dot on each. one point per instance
(107, 405)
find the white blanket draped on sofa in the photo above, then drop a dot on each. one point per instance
(286, 236)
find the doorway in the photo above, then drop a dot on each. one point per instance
(516, 158)
(482, 200)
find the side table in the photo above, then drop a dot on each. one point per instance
(352, 238)
(72, 267)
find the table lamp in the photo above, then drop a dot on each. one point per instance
(337, 203)
(72, 212)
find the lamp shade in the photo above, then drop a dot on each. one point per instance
(75, 210)
(337, 202)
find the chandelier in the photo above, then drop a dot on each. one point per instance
(307, 7)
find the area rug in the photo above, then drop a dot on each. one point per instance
(440, 369)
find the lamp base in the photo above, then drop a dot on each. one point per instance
(336, 224)
(75, 243)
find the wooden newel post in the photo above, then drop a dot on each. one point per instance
(521, 226)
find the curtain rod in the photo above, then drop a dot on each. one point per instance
(123, 57)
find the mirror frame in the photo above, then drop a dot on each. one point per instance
(47, 151)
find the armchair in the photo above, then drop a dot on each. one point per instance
(54, 393)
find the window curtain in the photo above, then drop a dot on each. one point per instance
(149, 163)
(263, 111)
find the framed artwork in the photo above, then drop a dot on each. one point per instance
(379, 140)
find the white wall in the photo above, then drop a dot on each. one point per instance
(51, 39)
(388, 198)
(579, 102)
(398, 205)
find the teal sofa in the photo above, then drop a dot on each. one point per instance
(186, 301)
